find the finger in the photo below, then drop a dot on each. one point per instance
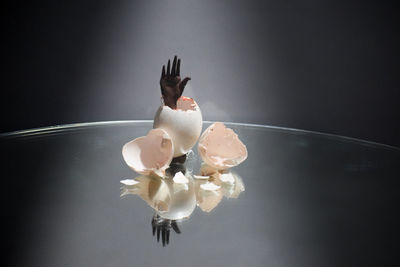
(162, 86)
(175, 227)
(158, 233)
(183, 84)
(167, 236)
(173, 71)
(164, 237)
(153, 225)
(163, 72)
(168, 68)
(178, 68)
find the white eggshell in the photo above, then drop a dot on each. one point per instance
(149, 154)
(183, 126)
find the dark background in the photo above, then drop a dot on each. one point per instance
(327, 66)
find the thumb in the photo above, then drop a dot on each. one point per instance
(183, 84)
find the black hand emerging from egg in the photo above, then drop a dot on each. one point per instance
(171, 85)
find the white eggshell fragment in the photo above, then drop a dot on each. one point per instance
(220, 147)
(201, 177)
(129, 182)
(182, 124)
(149, 154)
(210, 186)
(180, 178)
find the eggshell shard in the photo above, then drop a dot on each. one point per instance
(129, 182)
(182, 124)
(220, 147)
(149, 154)
(180, 178)
(210, 186)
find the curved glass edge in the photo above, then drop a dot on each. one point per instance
(63, 127)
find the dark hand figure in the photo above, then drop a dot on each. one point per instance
(171, 85)
(163, 226)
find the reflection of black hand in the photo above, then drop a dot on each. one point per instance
(175, 227)
(171, 85)
(162, 226)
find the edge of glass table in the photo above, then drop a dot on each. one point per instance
(64, 127)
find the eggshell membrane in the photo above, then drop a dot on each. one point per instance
(182, 124)
(220, 147)
(149, 154)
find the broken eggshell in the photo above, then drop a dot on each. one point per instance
(220, 147)
(182, 124)
(149, 154)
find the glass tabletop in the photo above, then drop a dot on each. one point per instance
(300, 199)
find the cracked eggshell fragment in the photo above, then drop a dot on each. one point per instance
(180, 178)
(129, 182)
(182, 124)
(220, 147)
(210, 186)
(149, 154)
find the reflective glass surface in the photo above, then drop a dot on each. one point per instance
(300, 199)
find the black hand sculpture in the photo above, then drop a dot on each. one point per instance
(171, 85)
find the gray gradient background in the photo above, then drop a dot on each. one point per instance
(315, 65)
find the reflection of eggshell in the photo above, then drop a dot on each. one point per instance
(232, 189)
(182, 124)
(201, 177)
(173, 201)
(206, 170)
(179, 178)
(149, 154)
(208, 195)
(239, 187)
(221, 148)
(129, 182)
(180, 182)
(227, 178)
(183, 200)
(210, 186)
